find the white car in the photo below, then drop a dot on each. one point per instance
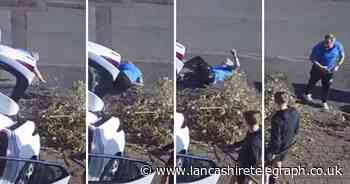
(19, 142)
(22, 61)
(22, 64)
(105, 57)
(107, 73)
(107, 162)
(185, 161)
(19, 151)
(180, 54)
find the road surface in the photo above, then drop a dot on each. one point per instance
(58, 34)
(140, 32)
(211, 28)
(293, 27)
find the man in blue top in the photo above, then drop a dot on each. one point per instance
(129, 75)
(201, 74)
(326, 56)
(132, 72)
(226, 69)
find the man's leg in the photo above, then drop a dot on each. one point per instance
(237, 64)
(122, 83)
(241, 179)
(315, 76)
(326, 85)
(201, 74)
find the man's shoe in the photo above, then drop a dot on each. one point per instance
(325, 106)
(308, 98)
(234, 52)
(235, 57)
(229, 62)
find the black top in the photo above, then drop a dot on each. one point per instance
(250, 152)
(284, 128)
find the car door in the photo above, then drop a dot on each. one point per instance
(187, 162)
(34, 172)
(121, 169)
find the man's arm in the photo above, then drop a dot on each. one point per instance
(298, 124)
(276, 140)
(313, 57)
(233, 147)
(256, 148)
(38, 74)
(341, 59)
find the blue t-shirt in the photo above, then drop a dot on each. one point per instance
(327, 57)
(131, 71)
(221, 72)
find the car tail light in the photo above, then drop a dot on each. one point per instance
(179, 56)
(112, 61)
(28, 66)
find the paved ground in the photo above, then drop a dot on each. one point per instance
(58, 35)
(212, 28)
(140, 32)
(292, 29)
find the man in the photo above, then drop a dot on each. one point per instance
(284, 128)
(202, 74)
(130, 75)
(327, 56)
(249, 154)
(101, 81)
(11, 59)
(226, 69)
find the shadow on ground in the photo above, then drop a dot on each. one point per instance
(336, 95)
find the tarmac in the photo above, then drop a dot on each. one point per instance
(293, 28)
(58, 34)
(212, 28)
(140, 32)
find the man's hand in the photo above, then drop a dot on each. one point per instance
(336, 68)
(323, 68)
(38, 74)
(42, 80)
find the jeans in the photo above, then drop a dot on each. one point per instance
(326, 78)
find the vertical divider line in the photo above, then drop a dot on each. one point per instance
(86, 86)
(174, 79)
(263, 87)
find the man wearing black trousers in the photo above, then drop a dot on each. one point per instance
(284, 129)
(249, 154)
(326, 56)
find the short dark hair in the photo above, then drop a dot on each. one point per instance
(281, 97)
(252, 117)
(329, 36)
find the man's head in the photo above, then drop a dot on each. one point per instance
(252, 118)
(329, 40)
(281, 99)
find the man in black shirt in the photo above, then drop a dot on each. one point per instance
(284, 128)
(249, 154)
